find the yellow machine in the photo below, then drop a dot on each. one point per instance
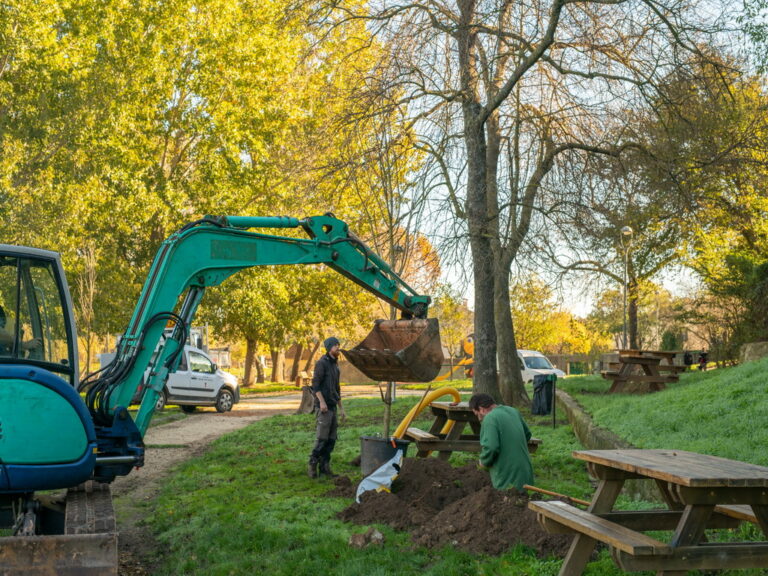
(467, 361)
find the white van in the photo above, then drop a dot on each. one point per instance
(533, 363)
(197, 382)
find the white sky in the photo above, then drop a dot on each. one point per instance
(679, 281)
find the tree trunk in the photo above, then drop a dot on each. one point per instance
(88, 353)
(260, 375)
(296, 362)
(511, 383)
(278, 365)
(309, 366)
(634, 342)
(485, 374)
(476, 209)
(251, 346)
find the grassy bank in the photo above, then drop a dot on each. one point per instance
(720, 412)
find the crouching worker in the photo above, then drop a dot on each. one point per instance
(504, 439)
(327, 393)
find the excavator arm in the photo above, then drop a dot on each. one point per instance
(206, 253)
(50, 439)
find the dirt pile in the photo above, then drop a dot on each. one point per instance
(442, 505)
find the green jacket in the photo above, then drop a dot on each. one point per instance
(504, 439)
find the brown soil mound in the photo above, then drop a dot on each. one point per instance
(442, 505)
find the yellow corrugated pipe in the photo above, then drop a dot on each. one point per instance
(423, 403)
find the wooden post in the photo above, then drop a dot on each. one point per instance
(307, 401)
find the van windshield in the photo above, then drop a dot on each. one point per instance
(537, 363)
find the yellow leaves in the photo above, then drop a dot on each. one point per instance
(540, 323)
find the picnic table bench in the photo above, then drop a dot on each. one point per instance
(455, 440)
(642, 371)
(700, 491)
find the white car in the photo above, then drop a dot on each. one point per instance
(533, 363)
(197, 382)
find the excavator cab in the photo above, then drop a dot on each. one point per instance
(36, 324)
(399, 351)
(53, 438)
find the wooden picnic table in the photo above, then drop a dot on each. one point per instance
(455, 440)
(642, 371)
(700, 492)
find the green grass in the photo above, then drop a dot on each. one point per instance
(266, 388)
(464, 385)
(247, 507)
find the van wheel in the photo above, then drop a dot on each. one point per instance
(160, 402)
(188, 409)
(225, 401)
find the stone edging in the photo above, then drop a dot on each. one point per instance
(592, 437)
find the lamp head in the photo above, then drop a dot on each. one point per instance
(626, 231)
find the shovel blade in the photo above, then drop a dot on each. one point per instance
(399, 351)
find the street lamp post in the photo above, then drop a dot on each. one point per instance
(626, 232)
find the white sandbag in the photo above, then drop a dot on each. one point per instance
(381, 479)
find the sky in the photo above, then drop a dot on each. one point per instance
(580, 301)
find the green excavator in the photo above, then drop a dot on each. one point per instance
(57, 433)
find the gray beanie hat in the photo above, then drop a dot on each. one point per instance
(330, 342)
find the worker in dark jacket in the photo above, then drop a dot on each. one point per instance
(328, 408)
(504, 439)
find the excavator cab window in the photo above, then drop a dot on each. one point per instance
(32, 315)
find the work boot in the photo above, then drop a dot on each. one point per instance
(325, 469)
(312, 468)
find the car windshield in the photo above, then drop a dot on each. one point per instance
(537, 363)
(200, 363)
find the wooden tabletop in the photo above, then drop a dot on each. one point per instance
(681, 467)
(451, 406)
(453, 411)
(659, 353)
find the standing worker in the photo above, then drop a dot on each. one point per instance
(703, 359)
(504, 439)
(327, 393)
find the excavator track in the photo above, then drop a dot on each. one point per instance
(89, 509)
(87, 546)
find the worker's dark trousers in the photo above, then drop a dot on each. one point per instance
(327, 427)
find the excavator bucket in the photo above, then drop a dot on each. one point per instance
(399, 351)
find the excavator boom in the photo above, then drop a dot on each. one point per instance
(210, 251)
